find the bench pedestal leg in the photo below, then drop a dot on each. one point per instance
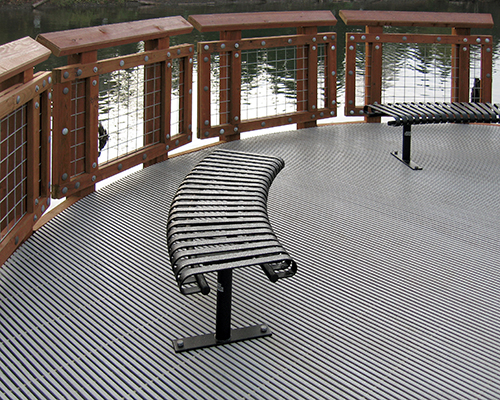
(405, 157)
(223, 332)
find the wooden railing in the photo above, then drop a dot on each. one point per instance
(298, 54)
(153, 83)
(374, 37)
(25, 110)
(77, 97)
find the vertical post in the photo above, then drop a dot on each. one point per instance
(223, 312)
(154, 113)
(307, 76)
(203, 99)
(61, 149)
(406, 156)
(460, 74)
(91, 117)
(486, 72)
(33, 153)
(230, 84)
(373, 71)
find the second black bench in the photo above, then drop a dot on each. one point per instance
(218, 222)
(408, 114)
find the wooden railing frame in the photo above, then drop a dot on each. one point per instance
(81, 45)
(230, 27)
(374, 36)
(21, 88)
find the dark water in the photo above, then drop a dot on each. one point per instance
(17, 22)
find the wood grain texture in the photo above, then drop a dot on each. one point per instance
(98, 37)
(416, 18)
(261, 20)
(20, 55)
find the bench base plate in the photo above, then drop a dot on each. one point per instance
(410, 163)
(208, 340)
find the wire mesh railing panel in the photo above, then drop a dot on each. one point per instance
(13, 169)
(121, 112)
(219, 87)
(152, 106)
(177, 98)
(77, 131)
(393, 68)
(416, 72)
(263, 82)
(322, 76)
(269, 82)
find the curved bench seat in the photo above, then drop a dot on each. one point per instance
(218, 222)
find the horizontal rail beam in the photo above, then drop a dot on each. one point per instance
(83, 40)
(261, 20)
(416, 18)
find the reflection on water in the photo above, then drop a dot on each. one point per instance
(269, 82)
(121, 104)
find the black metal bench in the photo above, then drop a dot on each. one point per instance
(217, 222)
(408, 114)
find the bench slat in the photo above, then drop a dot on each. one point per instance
(218, 220)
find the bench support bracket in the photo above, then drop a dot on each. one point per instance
(405, 156)
(223, 332)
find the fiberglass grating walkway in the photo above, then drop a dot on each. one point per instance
(397, 295)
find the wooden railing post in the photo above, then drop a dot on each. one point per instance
(230, 86)
(307, 77)
(155, 118)
(373, 70)
(76, 99)
(460, 73)
(25, 112)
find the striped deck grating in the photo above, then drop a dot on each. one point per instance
(397, 295)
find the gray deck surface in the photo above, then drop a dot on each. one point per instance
(397, 295)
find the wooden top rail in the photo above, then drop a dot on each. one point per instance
(83, 40)
(416, 18)
(261, 20)
(19, 56)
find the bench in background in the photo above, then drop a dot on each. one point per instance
(218, 222)
(408, 114)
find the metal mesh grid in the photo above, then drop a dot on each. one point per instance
(301, 77)
(322, 76)
(152, 108)
(121, 102)
(219, 76)
(177, 98)
(416, 72)
(13, 169)
(129, 101)
(475, 73)
(269, 82)
(77, 131)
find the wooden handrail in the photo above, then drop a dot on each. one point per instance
(20, 56)
(416, 18)
(261, 20)
(83, 40)
(25, 110)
